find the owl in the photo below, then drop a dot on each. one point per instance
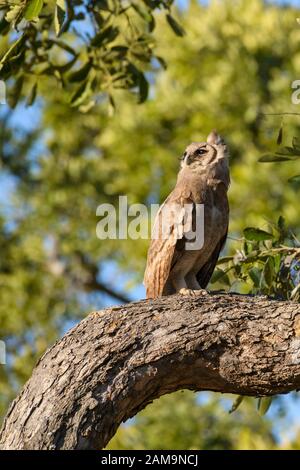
(190, 227)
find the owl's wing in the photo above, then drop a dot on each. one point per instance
(172, 221)
(205, 273)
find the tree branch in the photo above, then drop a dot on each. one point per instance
(116, 361)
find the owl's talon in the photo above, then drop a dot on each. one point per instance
(202, 292)
(192, 292)
(185, 291)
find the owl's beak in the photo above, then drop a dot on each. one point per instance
(186, 159)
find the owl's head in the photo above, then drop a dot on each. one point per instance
(201, 154)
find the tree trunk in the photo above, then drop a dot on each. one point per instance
(116, 361)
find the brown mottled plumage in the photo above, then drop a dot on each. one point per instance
(202, 179)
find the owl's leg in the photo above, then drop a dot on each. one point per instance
(182, 287)
(193, 286)
(191, 281)
(179, 282)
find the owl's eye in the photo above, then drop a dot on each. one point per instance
(200, 151)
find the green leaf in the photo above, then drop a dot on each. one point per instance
(60, 16)
(269, 271)
(32, 95)
(281, 222)
(81, 93)
(219, 275)
(236, 404)
(151, 24)
(256, 234)
(255, 276)
(63, 46)
(294, 179)
(80, 74)
(4, 26)
(105, 36)
(296, 142)
(14, 50)
(98, 17)
(111, 106)
(176, 27)
(162, 62)
(225, 260)
(280, 135)
(12, 66)
(85, 108)
(288, 151)
(14, 95)
(295, 291)
(65, 67)
(33, 9)
(43, 68)
(15, 15)
(143, 12)
(268, 158)
(121, 50)
(264, 404)
(252, 256)
(143, 88)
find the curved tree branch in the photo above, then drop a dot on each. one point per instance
(116, 361)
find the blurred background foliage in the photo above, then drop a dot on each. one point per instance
(230, 66)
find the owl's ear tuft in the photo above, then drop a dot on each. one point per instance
(214, 138)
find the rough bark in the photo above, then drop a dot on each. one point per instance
(116, 361)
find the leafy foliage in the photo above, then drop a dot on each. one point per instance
(268, 263)
(195, 423)
(284, 154)
(89, 48)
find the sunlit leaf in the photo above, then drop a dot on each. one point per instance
(105, 36)
(236, 403)
(295, 292)
(225, 260)
(143, 88)
(256, 234)
(63, 45)
(176, 27)
(162, 62)
(280, 135)
(274, 158)
(15, 92)
(81, 93)
(294, 179)
(33, 9)
(81, 73)
(32, 95)
(15, 14)
(289, 151)
(263, 405)
(60, 16)
(269, 271)
(14, 49)
(142, 11)
(255, 276)
(219, 275)
(296, 142)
